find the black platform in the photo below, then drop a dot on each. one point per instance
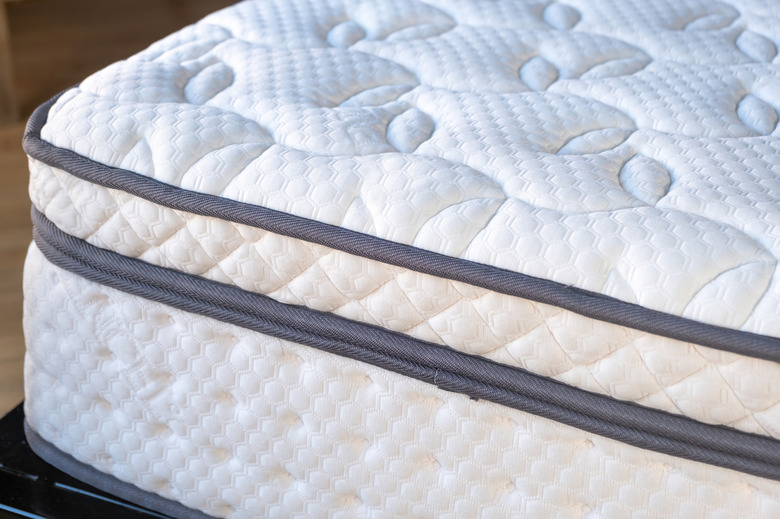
(29, 487)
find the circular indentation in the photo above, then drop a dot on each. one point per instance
(410, 129)
(758, 115)
(345, 34)
(538, 73)
(561, 16)
(757, 47)
(645, 179)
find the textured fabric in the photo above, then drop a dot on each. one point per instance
(239, 424)
(683, 378)
(444, 367)
(589, 304)
(625, 149)
(587, 189)
(55, 457)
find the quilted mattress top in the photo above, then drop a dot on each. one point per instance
(630, 149)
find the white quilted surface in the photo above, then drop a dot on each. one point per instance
(242, 425)
(623, 146)
(704, 384)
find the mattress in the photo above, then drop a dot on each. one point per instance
(442, 258)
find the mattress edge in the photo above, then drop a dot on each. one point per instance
(583, 302)
(448, 369)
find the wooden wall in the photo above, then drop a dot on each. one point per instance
(51, 45)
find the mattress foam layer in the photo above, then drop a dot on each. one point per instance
(437, 125)
(587, 190)
(226, 420)
(678, 377)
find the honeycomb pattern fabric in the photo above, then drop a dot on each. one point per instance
(242, 425)
(628, 148)
(683, 378)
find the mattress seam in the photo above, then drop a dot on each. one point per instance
(583, 302)
(458, 372)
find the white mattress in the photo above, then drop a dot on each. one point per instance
(319, 435)
(585, 195)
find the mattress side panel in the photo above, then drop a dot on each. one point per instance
(222, 420)
(683, 378)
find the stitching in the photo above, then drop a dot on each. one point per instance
(680, 439)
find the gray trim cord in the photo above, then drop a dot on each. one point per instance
(105, 482)
(586, 303)
(448, 369)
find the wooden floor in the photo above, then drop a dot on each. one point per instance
(55, 44)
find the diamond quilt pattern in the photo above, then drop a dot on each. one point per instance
(710, 386)
(242, 425)
(627, 148)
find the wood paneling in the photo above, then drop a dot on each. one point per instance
(8, 108)
(15, 232)
(57, 43)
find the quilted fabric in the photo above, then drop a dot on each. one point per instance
(628, 148)
(242, 425)
(704, 384)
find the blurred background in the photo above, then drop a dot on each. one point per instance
(47, 46)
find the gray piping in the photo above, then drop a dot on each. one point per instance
(105, 482)
(449, 369)
(583, 302)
